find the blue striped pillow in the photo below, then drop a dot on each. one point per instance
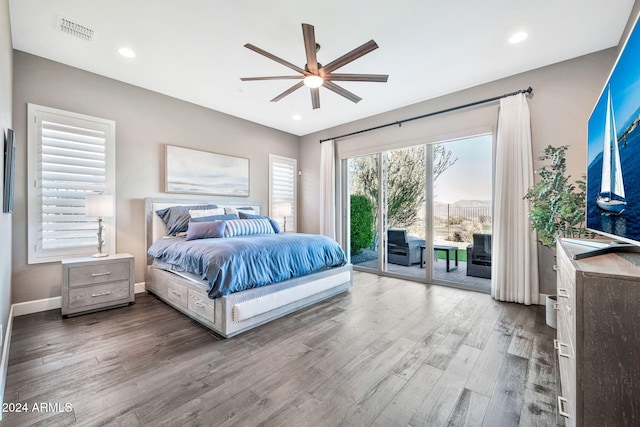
(245, 227)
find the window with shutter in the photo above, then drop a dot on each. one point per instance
(283, 190)
(70, 155)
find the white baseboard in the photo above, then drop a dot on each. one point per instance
(36, 306)
(139, 287)
(4, 361)
(542, 299)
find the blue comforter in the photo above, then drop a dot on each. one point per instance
(238, 263)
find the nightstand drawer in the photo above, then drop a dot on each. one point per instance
(201, 306)
(99, 273)
(98, 294)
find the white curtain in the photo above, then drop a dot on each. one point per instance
(514, 269)
(328, 189)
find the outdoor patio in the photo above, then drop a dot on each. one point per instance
(440, 273)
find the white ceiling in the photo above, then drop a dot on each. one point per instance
(193, 49)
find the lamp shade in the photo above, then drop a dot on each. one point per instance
(100, 205)
(282, 209)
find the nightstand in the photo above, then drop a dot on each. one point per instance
(91, 284)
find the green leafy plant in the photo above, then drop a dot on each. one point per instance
(557, 204)
(404, 180)
(362, 230)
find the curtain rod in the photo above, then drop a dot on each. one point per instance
(435, 113)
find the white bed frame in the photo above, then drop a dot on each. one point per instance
(232, 314)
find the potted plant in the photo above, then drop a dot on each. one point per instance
(557, 208)
(557, 204)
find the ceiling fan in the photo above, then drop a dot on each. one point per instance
(315, 74)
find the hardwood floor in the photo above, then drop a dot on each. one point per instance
(387, 353)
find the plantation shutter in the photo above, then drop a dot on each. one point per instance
(283, 191)
(73, 157)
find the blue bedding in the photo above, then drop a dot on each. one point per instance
(244, 262)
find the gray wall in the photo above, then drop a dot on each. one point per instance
(6, 70)
(563, 97)
(145, 121)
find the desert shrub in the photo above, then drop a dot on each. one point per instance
(362, 230)
(468, 228)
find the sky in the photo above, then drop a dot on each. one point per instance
(624, 83)
(470, 177)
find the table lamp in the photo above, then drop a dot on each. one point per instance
(100, 205)
(283, 210)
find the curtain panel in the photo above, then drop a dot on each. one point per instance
(515, 252)
(328, 189)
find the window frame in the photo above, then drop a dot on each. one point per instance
(273, 158)
(36, 254)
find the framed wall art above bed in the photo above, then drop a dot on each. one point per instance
(190, 171)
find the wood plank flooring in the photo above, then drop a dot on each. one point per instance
(387, 353)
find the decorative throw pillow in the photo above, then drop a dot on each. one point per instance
(274, 223)
(214, 218)
(250, 215)
(245, 227)
(198, 213)
(176, 218)
(205, 230)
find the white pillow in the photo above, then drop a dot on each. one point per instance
(206, 212)
(234, 211)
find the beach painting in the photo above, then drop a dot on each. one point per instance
(190, 171)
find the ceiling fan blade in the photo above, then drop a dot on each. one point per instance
(341, 91)
(309, 37)
(251, 79)
(288, 91)
(315, 97)
(380, 78)
(275, 58)
(349, 57)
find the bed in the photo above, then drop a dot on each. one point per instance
(231, 313)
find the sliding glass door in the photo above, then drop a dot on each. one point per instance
(419, 212)
(364, 207)
(462, 212)
(404, 185)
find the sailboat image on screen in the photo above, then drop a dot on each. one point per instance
(611, 197)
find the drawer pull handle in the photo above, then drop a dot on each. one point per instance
(101, 294)
(558, 346)
(563, 293)
(199, 304)
(561, 410)
(100, 274)
(556, 306)
(176, 293)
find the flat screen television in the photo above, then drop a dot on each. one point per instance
(9, 166)
(613, 155)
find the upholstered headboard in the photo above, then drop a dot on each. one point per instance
(155, 227)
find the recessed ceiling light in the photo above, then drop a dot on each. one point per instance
(296, 117)
(518, 37)
(126, 52)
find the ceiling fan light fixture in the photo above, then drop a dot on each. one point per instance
(313, 81)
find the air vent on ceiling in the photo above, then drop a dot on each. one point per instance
(74, 29)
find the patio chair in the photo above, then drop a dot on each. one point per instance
(403, 249)
(479, 256)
